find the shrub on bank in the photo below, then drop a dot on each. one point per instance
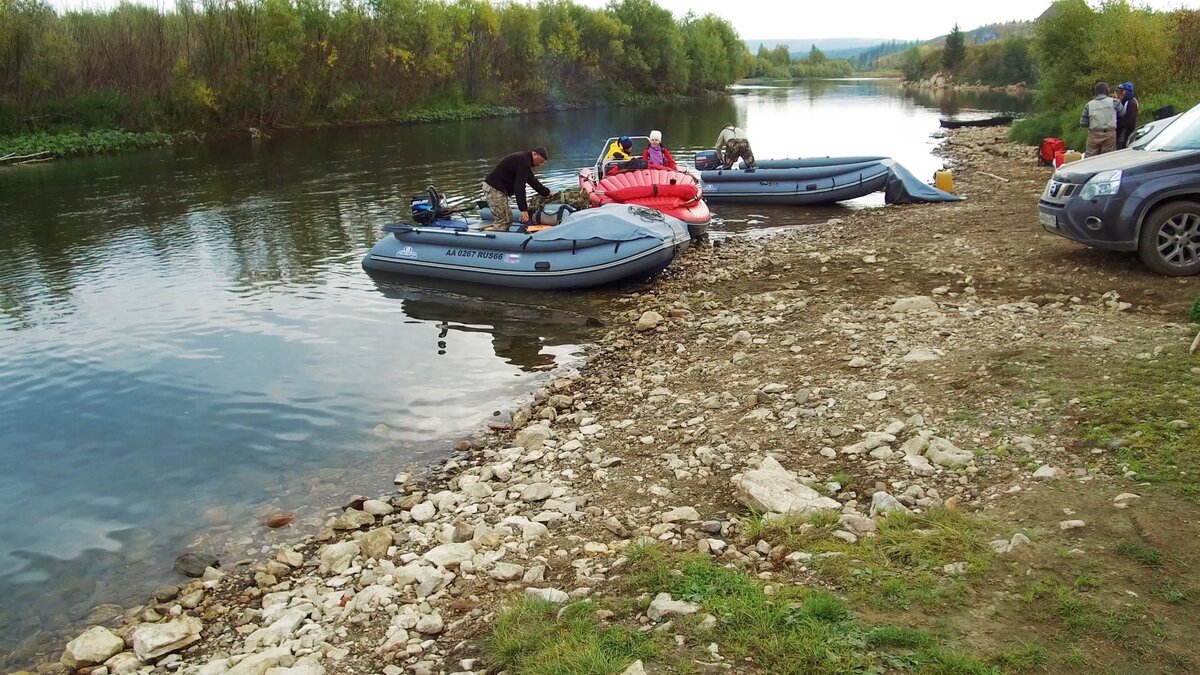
(66, 144)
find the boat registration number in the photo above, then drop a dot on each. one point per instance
(473, 253)
(1048, 221)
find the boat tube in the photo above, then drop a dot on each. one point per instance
(675, 193)
(591, 247)
(813, 181)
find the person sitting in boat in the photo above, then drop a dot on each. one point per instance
(732, 145)
(620, 150)
(657, 155)
(508, 179)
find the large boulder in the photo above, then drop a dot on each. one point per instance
(95, 646)
(773, 489)
(153, 640)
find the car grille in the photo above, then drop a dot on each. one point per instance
(1058, 193)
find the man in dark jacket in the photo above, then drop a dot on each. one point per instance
(509, 179)
(1127, 121)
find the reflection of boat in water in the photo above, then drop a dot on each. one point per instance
(997, 121)
(591, 247)
(520, 331)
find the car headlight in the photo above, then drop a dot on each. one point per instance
(1103, 184)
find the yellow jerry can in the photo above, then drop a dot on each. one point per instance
(944, 180)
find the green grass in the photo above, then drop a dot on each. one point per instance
(842, 478)
(531, 637)
(1194, 312)
(1170, 592)
(1141, 553)
(898, 568)
(1133, 411)
(793, 630)
(69, 143)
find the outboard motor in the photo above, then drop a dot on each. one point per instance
(706, 160)
(428, 207)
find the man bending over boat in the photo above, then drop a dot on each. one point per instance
(508, 179)
(732, 145)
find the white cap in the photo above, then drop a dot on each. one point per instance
(656, 135)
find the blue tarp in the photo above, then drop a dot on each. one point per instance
(611, 222)
(905, 188)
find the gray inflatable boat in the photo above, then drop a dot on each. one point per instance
(591, 247)
(822, 180)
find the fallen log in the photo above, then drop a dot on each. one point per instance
(14, 158)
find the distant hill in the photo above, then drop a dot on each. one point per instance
(827, 45)
(990, 32)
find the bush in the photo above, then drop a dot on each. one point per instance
(1194, 313)
(1064, 125)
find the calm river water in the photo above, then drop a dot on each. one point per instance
(188, 342)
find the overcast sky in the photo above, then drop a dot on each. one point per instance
(798, 19)
(899, 19)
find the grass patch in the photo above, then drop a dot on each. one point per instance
(531, 637)
(1194, 312)
(901, 566)
(1141, 553)
(70, 143)
(1138, 412)
(791, 630)
(1172, 593)
(1025, 657)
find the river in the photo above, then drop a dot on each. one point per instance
(188, 343)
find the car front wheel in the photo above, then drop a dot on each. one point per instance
(1170, 239)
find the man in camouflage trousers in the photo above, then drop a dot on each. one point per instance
(509, 179)
(732, 145)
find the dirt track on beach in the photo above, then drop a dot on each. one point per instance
(937, 354)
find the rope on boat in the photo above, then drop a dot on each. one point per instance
(647, 214)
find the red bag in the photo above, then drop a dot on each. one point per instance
(1050, 147)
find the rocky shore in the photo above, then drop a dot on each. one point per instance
(889, 361)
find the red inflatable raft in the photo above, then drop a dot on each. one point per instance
(675, 193)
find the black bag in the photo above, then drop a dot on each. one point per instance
(1164, 112)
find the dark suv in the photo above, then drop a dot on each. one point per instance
(1144, 199)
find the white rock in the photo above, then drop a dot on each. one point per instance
(859, 362)
(918, 303)
(943, 452)
(1047, 472)
(153, 640)
(94, 646)
(424, 512)
(877, 395)
(503, 571)
(1071, 524)
(548, 594)
(882, 502)
(376, 507)
(957, 569)
(648, 321)
(336, 558)
(635, 668)
(125, 663)
(771, 488)
(430, 624)
(663, 606)
(533, 436)
(681, 514)
(922, 355)
(376, 542)
(537, 492)
(259, 664)
(308, 665)
(449, 556)
(1122, 500)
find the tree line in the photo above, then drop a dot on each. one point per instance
(213, 64)
(778, 63)
(1076, 45)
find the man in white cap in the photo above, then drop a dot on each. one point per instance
(657, 154)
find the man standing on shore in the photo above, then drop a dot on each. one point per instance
(509, 179)
(1100, 119)
(732, 145)
(1128, 119)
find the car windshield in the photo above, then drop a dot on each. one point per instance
(1182, 134)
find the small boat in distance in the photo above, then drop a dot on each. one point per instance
(592, 247)
(675, 193)
(997, 121)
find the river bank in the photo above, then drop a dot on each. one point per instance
(985, 437)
